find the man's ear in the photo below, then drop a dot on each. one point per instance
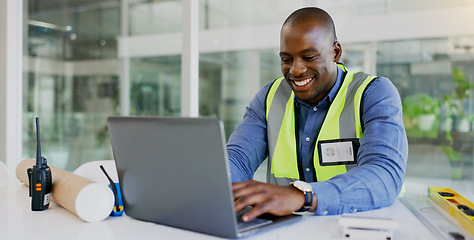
(337, 48)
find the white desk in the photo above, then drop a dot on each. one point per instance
(18, 222)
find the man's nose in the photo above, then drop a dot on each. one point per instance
(297, 68)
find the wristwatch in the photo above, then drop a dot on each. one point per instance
(308, 193)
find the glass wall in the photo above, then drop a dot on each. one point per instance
(435, 79)
(151, 17)
(229, 80)
(71, 79)
(85, 62)
(155, 86)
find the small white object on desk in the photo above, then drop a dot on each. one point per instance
(367, 228)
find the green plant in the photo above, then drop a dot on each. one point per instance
(454, 100)
(420, 104)
(462, 85)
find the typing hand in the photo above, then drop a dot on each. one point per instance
(266, 198)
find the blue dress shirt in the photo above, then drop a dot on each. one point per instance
(381, 160)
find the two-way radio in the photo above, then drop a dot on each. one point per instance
(40, 178)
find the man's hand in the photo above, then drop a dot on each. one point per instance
(266, 198)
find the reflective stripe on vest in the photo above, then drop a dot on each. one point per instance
(342, 121)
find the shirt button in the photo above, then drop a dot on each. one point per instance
(315, 109)
(325, 213)
(307, 139)
(307, 169)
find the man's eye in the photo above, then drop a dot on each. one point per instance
(309, 58)
(285, 60)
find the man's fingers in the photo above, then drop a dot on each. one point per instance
(266, 198)
(240, 185)
(245, 188)
(265, 206)
(249, 196)
(255, 212)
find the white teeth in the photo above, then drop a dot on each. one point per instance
(302, 83)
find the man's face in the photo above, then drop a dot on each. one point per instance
(308, 55)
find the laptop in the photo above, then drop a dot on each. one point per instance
(175, 172)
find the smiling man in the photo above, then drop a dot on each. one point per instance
(334, 138)
(308, 52)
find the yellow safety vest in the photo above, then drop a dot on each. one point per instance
(342, 121)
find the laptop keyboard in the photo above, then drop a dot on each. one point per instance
(257, 222)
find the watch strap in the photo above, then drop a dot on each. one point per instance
(308, 202)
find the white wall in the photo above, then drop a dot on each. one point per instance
(10, 82)
(430, 23)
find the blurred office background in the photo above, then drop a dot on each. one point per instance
(85, 60)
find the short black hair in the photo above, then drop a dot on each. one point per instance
(312, 14)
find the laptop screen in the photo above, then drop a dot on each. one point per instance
(174, 171)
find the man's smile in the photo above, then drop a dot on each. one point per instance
(300, 84)
(303, 82)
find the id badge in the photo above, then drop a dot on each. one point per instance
(338, 151)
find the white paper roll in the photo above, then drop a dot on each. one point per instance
(94, 202)
(89, 200)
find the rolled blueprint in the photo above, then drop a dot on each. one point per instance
(89, 200)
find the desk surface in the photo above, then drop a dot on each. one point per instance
(18, 222)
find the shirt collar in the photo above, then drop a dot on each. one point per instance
(332, 94)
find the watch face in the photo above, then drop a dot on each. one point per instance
(303, 186)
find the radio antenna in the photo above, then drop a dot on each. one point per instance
(39, 158)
